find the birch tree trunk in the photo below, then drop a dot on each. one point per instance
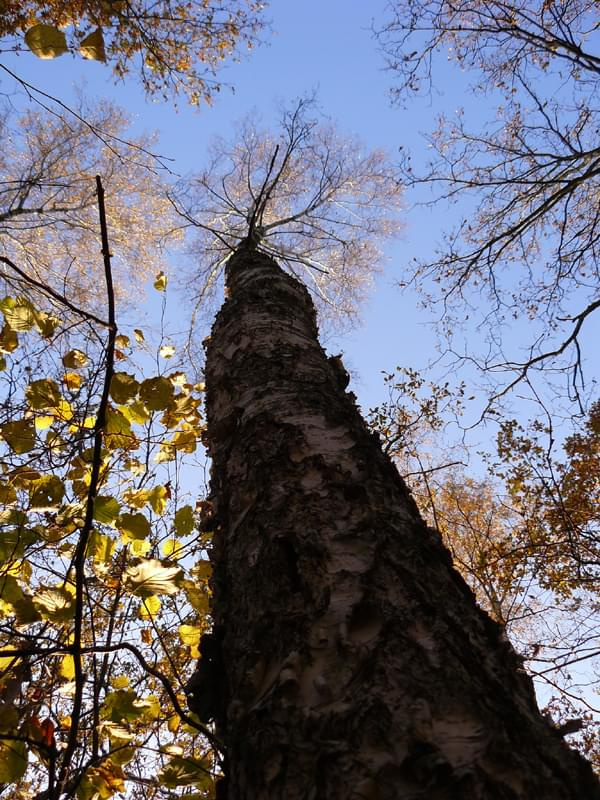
(351, 659)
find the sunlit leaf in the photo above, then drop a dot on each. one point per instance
(150, 607)
(167, 351)
(160, 282)
(72, 381)
(55, 603)
(101, 783)
(133, 526)
(190, 635)
(122, 341)
(75, 359)
(150, 577)
(46, 41)
(120, 706)
(184, 441)
(157, 497)
(139, 335)
(92, 47)
(19, 313)
(106, 509)
(173, 548)
(67, 667)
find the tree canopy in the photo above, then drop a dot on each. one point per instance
(171, 47)
(526, 248)
(305, 193)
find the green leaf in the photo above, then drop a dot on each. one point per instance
(19, 435)
(13, 761)
(46, 41)
(100, 783)
(106, 509)
(75, 359)
(151, 577)
(46, 493)
(160, 282)
(118, 430)
(123, 705)
(185, 771)
(92, 47)
(156, 393)
(184, 521)
(101, 547)
(133, 526)
(190, 635)
(19, 313)
(55, 603)
(157, 497)
(123, 387)
(43, 393)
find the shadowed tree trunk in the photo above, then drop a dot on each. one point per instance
(349, 658)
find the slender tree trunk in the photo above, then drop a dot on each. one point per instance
(354, 662)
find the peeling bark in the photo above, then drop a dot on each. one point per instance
(354, 662)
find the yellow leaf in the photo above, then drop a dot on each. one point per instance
(160, 282)
(72, 381)
(67, 667)
(139, 335)
(92, 47)
(190, 635)
(150, 607)
(42, 423)
(172, 548)
(185, 441)
(46, 41)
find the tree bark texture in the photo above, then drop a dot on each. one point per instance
(349, 659)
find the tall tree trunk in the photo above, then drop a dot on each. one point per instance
(354, 662)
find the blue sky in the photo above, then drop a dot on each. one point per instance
(327, 46)
(313, 45)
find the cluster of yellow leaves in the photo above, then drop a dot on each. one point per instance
(146, 574)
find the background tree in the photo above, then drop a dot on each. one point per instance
(521, 535)
(48, 205)
(528, 174)
(172, 47)
(305, 194)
